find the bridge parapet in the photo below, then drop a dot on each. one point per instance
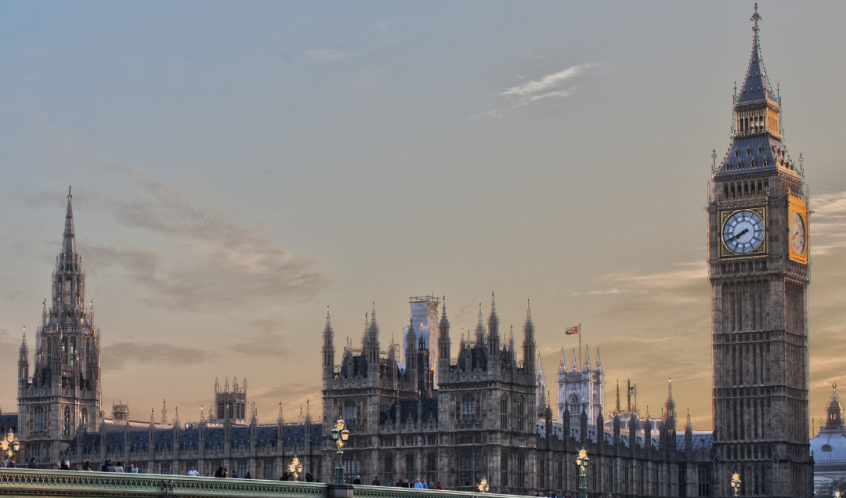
(70, 484)
(67, 483)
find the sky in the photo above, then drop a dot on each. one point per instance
(237, 167)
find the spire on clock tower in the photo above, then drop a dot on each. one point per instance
(757, 147)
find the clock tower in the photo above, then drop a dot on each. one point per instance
(758, 259)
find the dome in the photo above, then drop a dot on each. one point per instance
(829, 449)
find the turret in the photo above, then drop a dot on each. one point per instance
(23, 362)
(529, 346)
(328, 352)
(411, 357)
(481, 334)
(540, 388)
(493, 333)
(834, 410)
(371, 343)
(670, 411)
(444, 344)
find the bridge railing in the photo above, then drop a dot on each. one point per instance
(70, 483)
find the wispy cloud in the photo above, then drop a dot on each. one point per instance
(828, 223)
(547, 88)
(116, 356)
(207, 260)
(327, 55)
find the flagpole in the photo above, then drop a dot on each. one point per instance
(580, 345)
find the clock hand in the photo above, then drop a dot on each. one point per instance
(738, 235)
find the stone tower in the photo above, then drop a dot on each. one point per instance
(63, 394)
(758, 268)
(580, 390)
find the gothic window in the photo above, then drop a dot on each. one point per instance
(389, 467)
(231, 410)
(752, 163)
(559, 475)
(704, 480)
(72, 351)
(221, 413)
(468, 408)
(350, 411)
(521, 408)
(521, 472)
(39, 419)
(760, 149)
(67, 422)
(748, 151)
(84, 418)
(736, 153)
(67, 292)
(765, 162)
(574, 398)
(739, 164)
(268, 471)
(503, 410)
(503, 467)
(431, 467)
(468, 464)
(409, 466)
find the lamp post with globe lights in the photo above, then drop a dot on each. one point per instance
(582, 461)
(295, 468)
(735, 484)
(340, 435)
(10, 446)
(484, 487)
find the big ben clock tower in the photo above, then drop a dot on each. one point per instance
(758, 258)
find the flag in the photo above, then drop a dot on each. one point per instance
(573, 330)
(634, 390)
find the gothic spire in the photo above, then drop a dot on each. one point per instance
(575, 362)
(756, 86)
(529, 327)
(586, 368)
(834, 410)
(328, 333)
(69, 241)
(598, 362)
(562, 367)
(480, 329)
(493, 319)
(444, 323)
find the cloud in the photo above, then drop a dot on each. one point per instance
(116, 356)
(327, 55)
(545, 88)
(828, 222)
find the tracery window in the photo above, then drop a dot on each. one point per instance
(521, 405)
(39, 419)
(503, 410)
(468, 408)
(350, 411)
(67, 420)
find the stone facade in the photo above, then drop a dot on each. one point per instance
(758, 260)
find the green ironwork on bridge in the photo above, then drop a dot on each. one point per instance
(69, 483)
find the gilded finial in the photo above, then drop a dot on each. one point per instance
(756, 17)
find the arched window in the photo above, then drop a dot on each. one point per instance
(521, 409)
(468, 408)
(765, 162)
(736, 153)
(760, 149)
(739, 164)
(752, 163)
(575, 407)
(84, 418)
(503, 410)
(67, 422)
(350, 411)
(39, 419)
(71, 351)
(748, 151)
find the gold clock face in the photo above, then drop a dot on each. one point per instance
(797, 234)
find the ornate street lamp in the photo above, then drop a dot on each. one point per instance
(340, 435)
(295, 468)
(10, 445)
(735, 483)
(837, 494)
(484, 486)
(582, 461)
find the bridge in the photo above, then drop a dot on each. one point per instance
(69, 483)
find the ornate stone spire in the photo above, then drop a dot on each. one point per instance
(69, 240)
(480, 330)
(575, 362)
(586, 368)
(562, 367)
(598, 362)
(164, 412)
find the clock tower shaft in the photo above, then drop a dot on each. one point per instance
(759, 288)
